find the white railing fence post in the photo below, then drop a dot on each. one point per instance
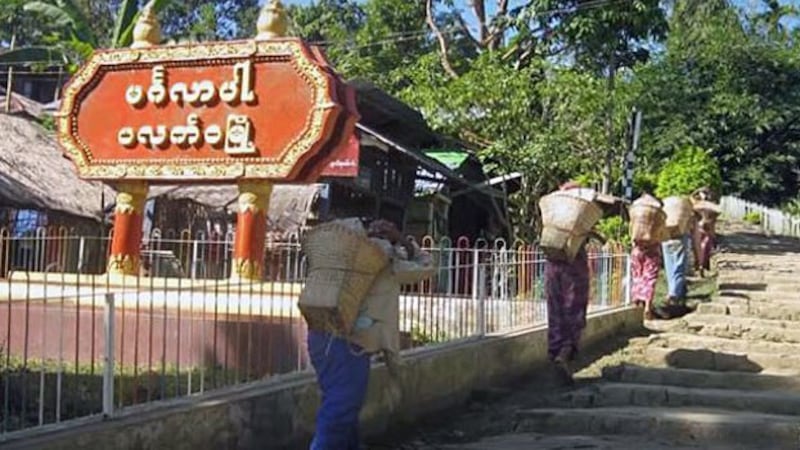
(628, 279)
(108, 357)
(478, 296)
(81, 254)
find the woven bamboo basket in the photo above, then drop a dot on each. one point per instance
(647, 220)
(566, 222)
(647, 223)
(342, 266)
(679, 215)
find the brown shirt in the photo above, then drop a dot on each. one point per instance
(382, 303)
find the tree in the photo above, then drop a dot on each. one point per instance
(201, 20)
(726, 86)
(75, 32)
(377, 40)
(15, 22)
(542, 120)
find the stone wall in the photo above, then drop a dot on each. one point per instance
(279, 412)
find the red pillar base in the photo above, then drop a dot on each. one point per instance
(251, 231)
(127, 234)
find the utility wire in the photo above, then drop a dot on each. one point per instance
(407, 36)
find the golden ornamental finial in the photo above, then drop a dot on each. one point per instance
(147, 31)
(272, 21)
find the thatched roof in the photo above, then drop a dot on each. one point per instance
(21, 105)
(290, 207)
(35, 174)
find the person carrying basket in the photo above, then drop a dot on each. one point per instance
(568, 219)
(351, 304)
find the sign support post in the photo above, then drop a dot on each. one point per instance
(249, 244)
(126, 237)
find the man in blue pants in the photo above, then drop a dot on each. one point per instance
(342, 364)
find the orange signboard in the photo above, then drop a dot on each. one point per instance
(217, 111)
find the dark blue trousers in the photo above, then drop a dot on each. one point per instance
(342, 373)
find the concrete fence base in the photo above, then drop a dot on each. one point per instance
(279, 412)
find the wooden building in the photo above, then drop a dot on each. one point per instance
(42, 85)
(42, 197)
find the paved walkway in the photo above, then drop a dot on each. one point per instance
(726, 376)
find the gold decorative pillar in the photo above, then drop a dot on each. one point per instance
(127, 237)
(147, 30)
(132, 195)
(251, 230)
(251, 223)
(272, 21)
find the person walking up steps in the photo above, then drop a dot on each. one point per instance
(647, 231)
(341, 360)
(568, 216)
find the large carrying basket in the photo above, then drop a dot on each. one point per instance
(342, 266)
(679, 215)
(648, 220)
(567, 220)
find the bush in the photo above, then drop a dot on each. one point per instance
(689, 169)
(614, 229)
(753, 218)
(792, 207)
(644, 182)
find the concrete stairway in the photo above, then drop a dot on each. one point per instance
(726, 376)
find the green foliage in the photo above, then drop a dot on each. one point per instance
(201, 20)
(72, 30)
(690, 169)
(614, 229)
(792, 207)
(644, 181)
(543, 120)
(752, 218)
(48, 122)
(726, 82)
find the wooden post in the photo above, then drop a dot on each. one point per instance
(10, 81)
(127, 237)
(251, 230)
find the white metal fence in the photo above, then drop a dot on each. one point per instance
(771, 220)
(72, 344)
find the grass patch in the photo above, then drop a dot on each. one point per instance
(45, 391)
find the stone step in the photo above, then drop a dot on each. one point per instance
(754, 280)
(749, 270)
(689, 378)
(702, 359)
(772, 311)
(786, 295)
(732, 327)
(625, 394)
(741, 321)
(741, 286)
(736, 346)
(540, 441)
(691, 425)
(733, 297)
